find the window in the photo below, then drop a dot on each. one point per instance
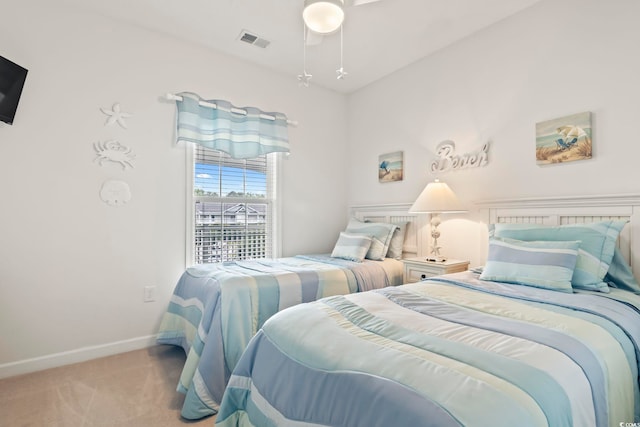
(232, 207)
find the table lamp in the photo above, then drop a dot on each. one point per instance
(436, 198)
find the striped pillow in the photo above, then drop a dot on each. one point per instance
(598, 243)
(380, 232)
(543, 264)
(353, 247)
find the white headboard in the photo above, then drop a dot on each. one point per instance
(569, 210)
(394, 213)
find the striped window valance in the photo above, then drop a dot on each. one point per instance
(243, 133)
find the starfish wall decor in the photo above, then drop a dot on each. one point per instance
(116, 115)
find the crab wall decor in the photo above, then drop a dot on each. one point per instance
(115, 193)
(113, 151)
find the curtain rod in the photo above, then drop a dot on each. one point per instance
(173, 97)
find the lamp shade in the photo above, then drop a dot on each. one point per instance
(323, 16)
(437, 197)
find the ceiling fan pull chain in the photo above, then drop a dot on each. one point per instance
(303, 79)
(340, 71)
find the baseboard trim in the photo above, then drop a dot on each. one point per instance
(74, 356)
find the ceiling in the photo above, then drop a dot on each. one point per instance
(379, 38)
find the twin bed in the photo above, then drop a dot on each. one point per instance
(508, 345)
(217, 308)
(444, 352)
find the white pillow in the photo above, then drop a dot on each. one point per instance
(397, 241)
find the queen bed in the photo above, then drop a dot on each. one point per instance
(217, 308)
(531, 339)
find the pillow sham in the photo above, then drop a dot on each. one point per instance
(542, 264)
(397, 241)
(352, 247)
(380, 233)
(620, 275)
(598, 242)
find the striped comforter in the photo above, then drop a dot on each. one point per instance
(450, 351)
(216, 309)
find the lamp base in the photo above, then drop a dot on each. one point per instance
(435, 234)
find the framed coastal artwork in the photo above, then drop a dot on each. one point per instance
(565, 139)
(390, 167)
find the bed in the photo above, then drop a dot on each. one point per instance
(217, 308)
(504, 345)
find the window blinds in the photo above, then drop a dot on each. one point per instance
(234, 212)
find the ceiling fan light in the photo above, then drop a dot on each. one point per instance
(323, 16)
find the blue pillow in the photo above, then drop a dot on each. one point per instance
(598, 243)
(380, 232)
(620, 275)
(543, 264)
(352, 247)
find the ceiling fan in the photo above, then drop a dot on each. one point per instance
(322, 17)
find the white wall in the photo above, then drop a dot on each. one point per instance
(72, 269)
(557, 58)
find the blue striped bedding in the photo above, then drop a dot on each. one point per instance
(450, 351)
(216, 309)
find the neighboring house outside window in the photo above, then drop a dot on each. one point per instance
(232, 209)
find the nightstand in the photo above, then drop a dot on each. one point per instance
(416, 269)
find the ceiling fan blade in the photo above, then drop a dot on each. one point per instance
(313, 38)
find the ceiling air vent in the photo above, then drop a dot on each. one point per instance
(247, 37)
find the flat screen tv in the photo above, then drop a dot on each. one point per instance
(12, 77)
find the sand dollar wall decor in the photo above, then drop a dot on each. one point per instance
(115, 193)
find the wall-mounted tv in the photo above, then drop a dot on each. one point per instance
(12, 77)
